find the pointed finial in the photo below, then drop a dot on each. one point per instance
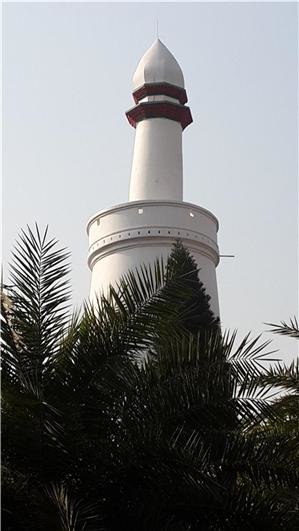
(157, 23)
(158, 65)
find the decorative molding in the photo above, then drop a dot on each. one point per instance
(156, 89)
(152, 241)
(150, 231)
(152, 203)
(160, 109)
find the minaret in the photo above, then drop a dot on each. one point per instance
(138, 232)
(158, 91)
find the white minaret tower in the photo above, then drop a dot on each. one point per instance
(127, 235)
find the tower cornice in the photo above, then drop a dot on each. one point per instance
(160, 109)
(133, 205)
(154, 89)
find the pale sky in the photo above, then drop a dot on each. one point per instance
(68, 146)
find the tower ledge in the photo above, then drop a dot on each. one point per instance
(160, 223)
(151, 203)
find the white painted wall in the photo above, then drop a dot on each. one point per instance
(112, 266)
(127, 235)
(161, 218)
(157, 168)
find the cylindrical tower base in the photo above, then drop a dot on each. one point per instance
(126, 236)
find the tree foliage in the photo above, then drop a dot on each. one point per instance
(139, 413)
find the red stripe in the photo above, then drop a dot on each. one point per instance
(166, 89)
(172, 111)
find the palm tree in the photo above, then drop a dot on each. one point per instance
(138, 413)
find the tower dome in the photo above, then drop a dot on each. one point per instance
(158, 65)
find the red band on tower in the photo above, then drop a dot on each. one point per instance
(160, 109)
(155, 89)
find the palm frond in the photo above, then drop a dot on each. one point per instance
(34, 318)
(137, 414)
(282, 376)
(287, 329)
(39, 295)
(74, 515)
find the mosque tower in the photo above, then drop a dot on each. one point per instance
(127, 235)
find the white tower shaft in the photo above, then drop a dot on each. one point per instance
(157, 168)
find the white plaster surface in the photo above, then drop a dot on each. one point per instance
(158, 65)
(121, 238)
(113, 265)
(157, 167)
(158, 97)
(175, 215)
